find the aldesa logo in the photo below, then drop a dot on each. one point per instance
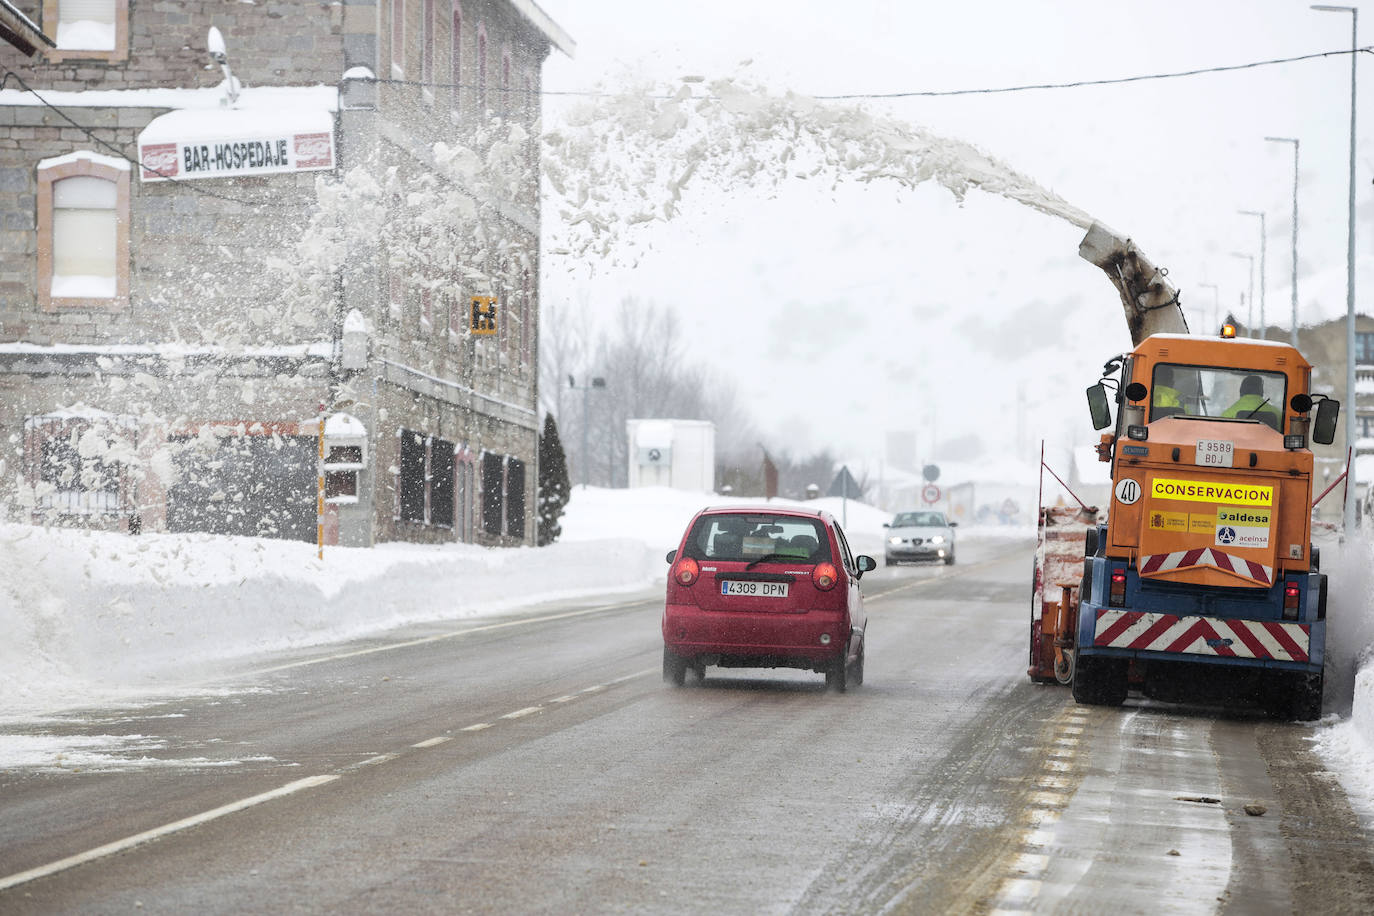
(1245, 494)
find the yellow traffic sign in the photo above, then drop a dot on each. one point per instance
(483, 315)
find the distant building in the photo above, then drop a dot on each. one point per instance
(167, 341)
(1324, 346)
(680, 454)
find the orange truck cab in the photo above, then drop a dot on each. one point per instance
(1203, 584)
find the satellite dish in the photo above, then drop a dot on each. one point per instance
(214, 42)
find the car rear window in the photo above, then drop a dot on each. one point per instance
(751, 536)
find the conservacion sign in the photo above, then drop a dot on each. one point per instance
(1245, 494)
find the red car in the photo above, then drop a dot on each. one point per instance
(765, 588)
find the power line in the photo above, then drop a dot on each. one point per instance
(90, 134)
(1076, 84)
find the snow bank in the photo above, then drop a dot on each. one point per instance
(1347, 744)
(92, 616)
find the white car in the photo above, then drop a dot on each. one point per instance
(921, 535)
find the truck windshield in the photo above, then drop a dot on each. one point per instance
(1210, 391)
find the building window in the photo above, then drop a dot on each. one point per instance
(1364, 347)
(410, 484)
(503, 495)
(506, 103)
(427, 39)
(493, 492)
(398, 39)
(456, 59)
(1364, 428)
(465, 489)
(425, 480)
(515, 498)
(88, 29)
(73, 462)
(83, 232)
(441, 483)
(482, 70)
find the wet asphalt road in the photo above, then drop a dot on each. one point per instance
(537, 764)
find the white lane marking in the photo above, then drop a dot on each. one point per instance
(309, 782)
(436, 638)
(147, 836)
(565, 699)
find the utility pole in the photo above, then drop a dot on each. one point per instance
(1264, 326)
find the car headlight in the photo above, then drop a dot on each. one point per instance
(938, 539)
(894, 540)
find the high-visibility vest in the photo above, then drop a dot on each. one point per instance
(1249, 402)
(1166, 397)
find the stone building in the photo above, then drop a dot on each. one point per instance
(222, 222)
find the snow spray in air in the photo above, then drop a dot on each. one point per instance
(621, 160)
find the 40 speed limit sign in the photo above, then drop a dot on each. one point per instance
(1128, 491)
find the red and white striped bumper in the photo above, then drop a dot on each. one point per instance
(1206, 556)
(1285, 642)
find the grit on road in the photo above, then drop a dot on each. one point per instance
(538, 764)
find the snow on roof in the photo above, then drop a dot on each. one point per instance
(654, 433)
(173, 349)
(82, 155)
(545, 24)
(190, 124)
(344, 424)
(262, 98)
(354, 321)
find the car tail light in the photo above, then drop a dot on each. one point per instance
(686, 571)
(1118, 591)
(824, 576)
(1291, 594)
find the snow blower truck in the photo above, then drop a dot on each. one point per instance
(1202, 585)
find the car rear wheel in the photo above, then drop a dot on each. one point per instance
(856, 670)
(674, 668)
(836, 676)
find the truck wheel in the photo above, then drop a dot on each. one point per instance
(1306, 698)
(674, 668)
(1063, 668)
(1099, 681)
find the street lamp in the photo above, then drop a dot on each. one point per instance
(1250, 313)
(1264, 327)
(1216, 304)
(1293, 333)
(1349, 512)
(597, 382)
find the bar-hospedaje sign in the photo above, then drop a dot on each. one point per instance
(195, 143)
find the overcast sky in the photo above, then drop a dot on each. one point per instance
(845, 313)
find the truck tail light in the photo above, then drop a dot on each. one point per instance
(1118, 590)
(824, 576)
(686, 571)
(1291, 594)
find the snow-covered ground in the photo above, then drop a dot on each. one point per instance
(95, 619)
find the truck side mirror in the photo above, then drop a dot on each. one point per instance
(1324, 426)
(1099, 407)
